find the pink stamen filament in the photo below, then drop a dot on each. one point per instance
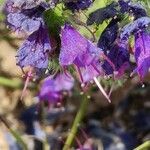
(101, 89)
(96, 68)
(79, 143)
(63, 142)
(80, 74)
(84, 134)
(29, 75)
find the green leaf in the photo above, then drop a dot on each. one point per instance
(54, 20)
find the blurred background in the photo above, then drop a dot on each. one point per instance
(122, 125)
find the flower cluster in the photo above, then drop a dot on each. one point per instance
(27, 17)
(109, 57)
(114, 40)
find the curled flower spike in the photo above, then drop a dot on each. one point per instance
(52, 88)
(80, 52)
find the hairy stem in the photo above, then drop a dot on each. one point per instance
(77, 121)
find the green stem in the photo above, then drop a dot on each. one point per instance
(78, 119)
(15, 134)
(11, 83)
(18, 139)
(144, 146)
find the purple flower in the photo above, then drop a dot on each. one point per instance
(78, 4)
(142, 53)
(119, 56)
(83, 54)
(26, 16)
(52, 88)
(109, 35)
(135, 26)
(89, 72)
(77, 50)
(124, 6)
(22, 4)
(25, 19)
(21, 23)
(34, 51)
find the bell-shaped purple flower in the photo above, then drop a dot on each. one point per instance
(77, 50)
(83, 54)
(142, 53)
(35, 50)
(119, 56)
(52, 88)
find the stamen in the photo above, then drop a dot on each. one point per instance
(79, 143)
(65, 71)
(80, 74)
(111, 89)
(95, 68)
(132, 73)
(84, 134)
(101, 89)
(29, 75)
